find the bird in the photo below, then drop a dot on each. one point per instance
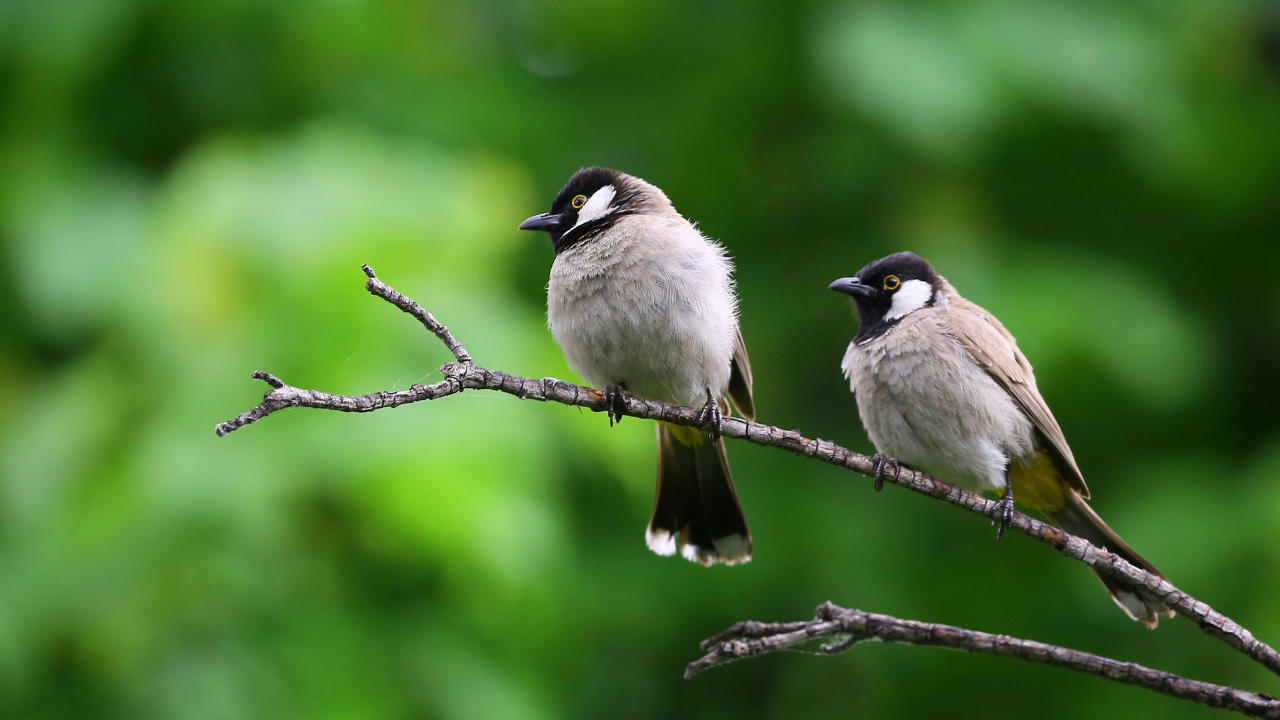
(942, 388)
(642, 303)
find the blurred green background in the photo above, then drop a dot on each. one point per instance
(188, 189)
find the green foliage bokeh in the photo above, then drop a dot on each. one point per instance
(188, 190)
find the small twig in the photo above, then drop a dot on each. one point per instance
(388, 293)
(286, 396)
(464, 374)
(749, 639)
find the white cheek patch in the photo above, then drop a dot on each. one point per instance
(596, 206)
(912, 296)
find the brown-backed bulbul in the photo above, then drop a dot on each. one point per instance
(942, 388)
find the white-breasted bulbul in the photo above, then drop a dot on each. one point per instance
(942, 388)
(642, 303)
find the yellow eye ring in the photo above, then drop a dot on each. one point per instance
(578, 201)
(891, 282)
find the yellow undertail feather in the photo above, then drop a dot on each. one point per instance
(686, 436)
(1037, 484)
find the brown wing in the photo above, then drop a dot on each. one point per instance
(740, 380)
(995, 349)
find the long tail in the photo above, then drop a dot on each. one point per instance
(696, 505)
(1077, 518)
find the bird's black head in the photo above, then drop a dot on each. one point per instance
(592, 200)
(889, 289)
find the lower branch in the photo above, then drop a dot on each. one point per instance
(463, 374)
(850, 627)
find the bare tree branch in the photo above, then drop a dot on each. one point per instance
(850, 627)
(464, 374)
(388, 293)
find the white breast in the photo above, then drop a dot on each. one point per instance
(651, 304)
(924, 401)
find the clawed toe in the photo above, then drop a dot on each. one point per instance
(615, 397)
(878, 464)
(710, 418)
(1005, 505)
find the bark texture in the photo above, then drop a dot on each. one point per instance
(849, 627)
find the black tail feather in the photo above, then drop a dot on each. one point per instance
(1079, 519)
(696, 508)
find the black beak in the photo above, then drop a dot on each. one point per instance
(544, 222)
(852, 286)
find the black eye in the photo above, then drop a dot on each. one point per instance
(578, 201)
(891, 282)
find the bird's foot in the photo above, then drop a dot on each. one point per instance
(1005, 505)
(615, 397)
(709, 417)
(878, 464)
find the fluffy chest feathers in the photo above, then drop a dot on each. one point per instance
(649, 303)
(924, 401)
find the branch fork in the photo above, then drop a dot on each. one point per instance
(750, 638)
(848, 627)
